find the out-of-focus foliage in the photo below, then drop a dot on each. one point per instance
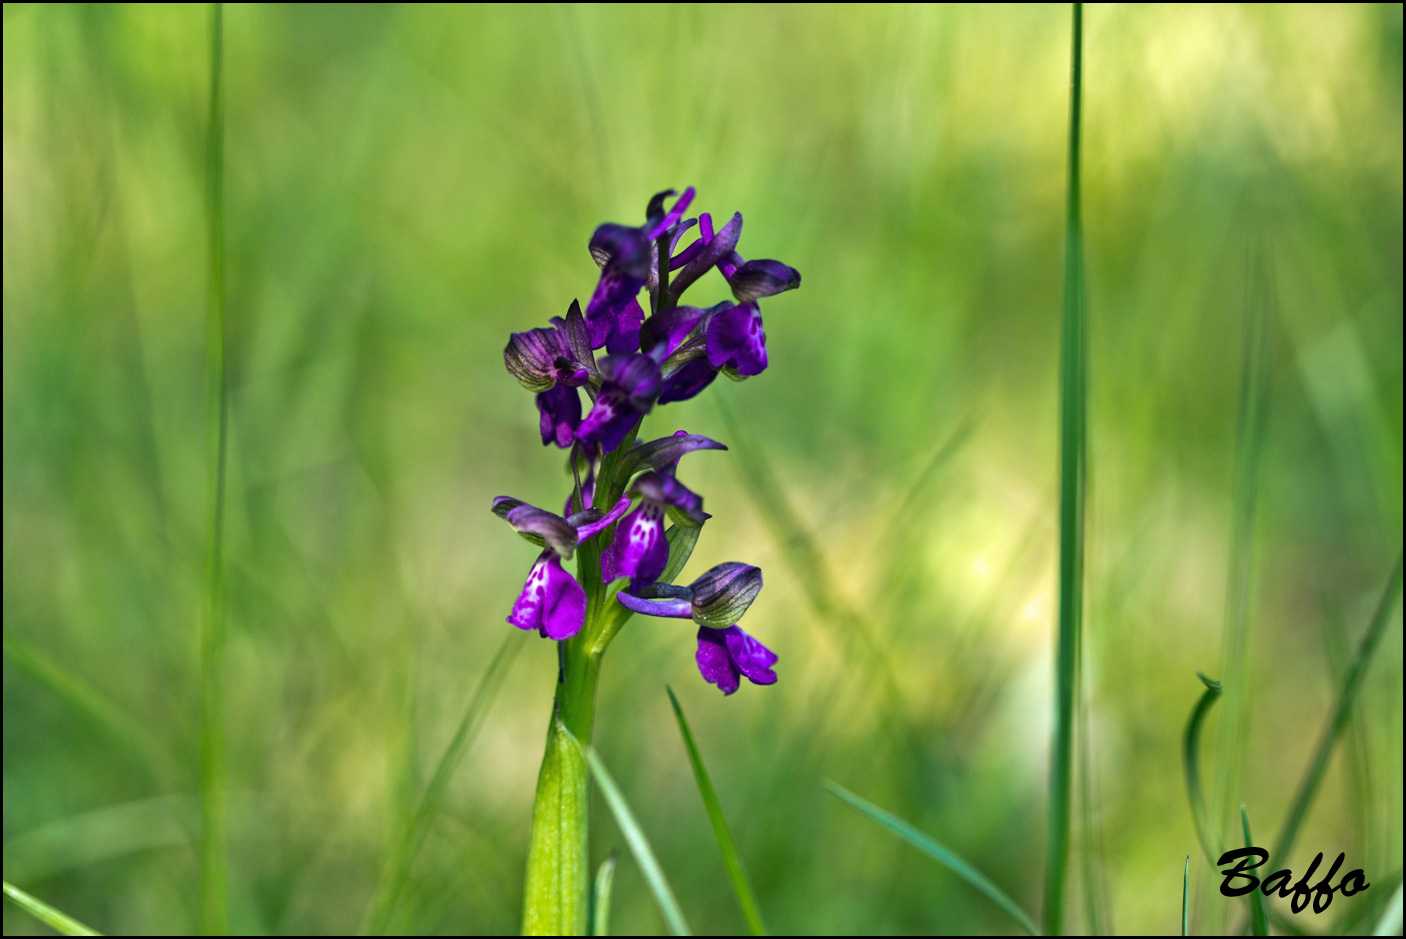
(406, 185)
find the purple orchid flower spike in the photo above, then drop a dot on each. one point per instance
(639, 550)
(551, 601)
(629, 385)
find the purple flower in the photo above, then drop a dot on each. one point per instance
(639, 550)
(541, 359)
(726, 654)
(554, 362)
(717, 599)
(627, 257)
(736, 340)
(629, 384)
(551, 601)
(560, 414)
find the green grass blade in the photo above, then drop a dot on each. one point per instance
(46, 914)
(214, 887)
(1341, 711)
(938, 852)
(1191, 764)
(87, 700)
(1072, 451)
(1249, 448)
(1185, 880)
(396, 872)
(1389, 924)
(639, 845)
(600, 896)
(1352, 921)
(740, 887)
(1259, 920)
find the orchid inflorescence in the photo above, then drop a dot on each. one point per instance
(624, 554)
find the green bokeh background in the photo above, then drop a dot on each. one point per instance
(407, 185)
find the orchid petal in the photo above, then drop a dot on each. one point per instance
(687, 380)
(718, 247)
(560, 415)
(714, 661)
(736, 338)
(586, 527)
(667, 451)
(757, 279)
(639, 550)
(723, 593)
(544, 529)
(751, 657)
(551, 602)
(669, 607)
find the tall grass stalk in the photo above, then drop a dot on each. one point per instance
(1342, 710)
(601, 893)
(1249, 439)
(128, 733)
(938, 852)
(639, 845)
(1259, 920)
(1185, 881)
(213, 810)
(750, 911)
(396, 873)
(46, 914)
(1191, 766)
(1072, 460)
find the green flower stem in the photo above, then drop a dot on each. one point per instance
(556, 898)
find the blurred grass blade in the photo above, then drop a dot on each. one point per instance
(1352, 921)
(47, 914)
(853, 632)
(1244, 500)
(1072, 470)
(1259, 921)
(78, 694)
(396, 872)
(1388, 925)
(1185, 879)
(600, 896)
(740, 887)
(213, 816)
(937, 852)
(1191, 764)
(639, 846)
(1341, 711)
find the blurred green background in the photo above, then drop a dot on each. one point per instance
(407, 185)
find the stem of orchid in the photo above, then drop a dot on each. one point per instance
(556, 899)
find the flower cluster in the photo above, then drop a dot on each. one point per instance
(616, 515)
